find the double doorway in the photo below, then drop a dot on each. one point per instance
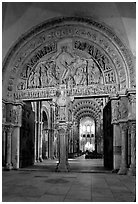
(39, 140)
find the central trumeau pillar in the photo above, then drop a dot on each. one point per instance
(62, 125)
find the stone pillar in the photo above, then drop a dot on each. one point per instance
(3, 145)
(132, 125)
(15, 147)
(35, 143)
(129, 145)
(116, 133)
(8, 153)
(63, 124)
(17, 110)
(50, 136)
(40, 131)
(37, 132)
(116, 147)
(124, 153)
(63, 165)
(132, 169)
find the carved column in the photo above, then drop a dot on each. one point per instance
(124, 153)
(3, 145)
(63, 124)
(40, 131)
(129, 144)
(132, 169)
(39, 128)
(17, 110)
(3, 133)
(132, 126)
(8, 153)
(51, 134)
(37, 132)
(116, 133)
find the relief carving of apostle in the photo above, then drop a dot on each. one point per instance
(94, 74)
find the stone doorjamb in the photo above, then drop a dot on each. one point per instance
(12, 121)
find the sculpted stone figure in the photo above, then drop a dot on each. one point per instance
(94, 74)
(63, 62)
(44, 77)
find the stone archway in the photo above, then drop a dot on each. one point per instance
(83, 108)
(84, 55)
(91, 42)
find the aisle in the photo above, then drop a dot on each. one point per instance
(79, 164)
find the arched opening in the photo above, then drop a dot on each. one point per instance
(88, 60)
(87, 134)
(45, 139)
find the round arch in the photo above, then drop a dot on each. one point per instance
(90, 41)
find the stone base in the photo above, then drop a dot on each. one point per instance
(115, 171)
(122, 171)
(8, 167)
(132, 171)
(63, 167)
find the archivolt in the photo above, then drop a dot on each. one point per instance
(85, 108)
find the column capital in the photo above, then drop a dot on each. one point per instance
(132, 98)
(115, 110)
(132, 125)
(123, 126)
(9, 128)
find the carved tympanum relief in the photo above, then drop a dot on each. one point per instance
(67, 67)
(112, 61)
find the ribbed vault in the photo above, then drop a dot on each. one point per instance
(84, 108)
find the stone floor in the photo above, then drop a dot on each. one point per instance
(37, 185)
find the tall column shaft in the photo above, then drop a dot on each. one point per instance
(3, 145)
(124, 148)
(116, 147)
(15, 147)
(8, 153)
(132, 169)
(51, 134)
(129, 145)
(63, 165)
(35, 149)
(40, 131)
(37, 131)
